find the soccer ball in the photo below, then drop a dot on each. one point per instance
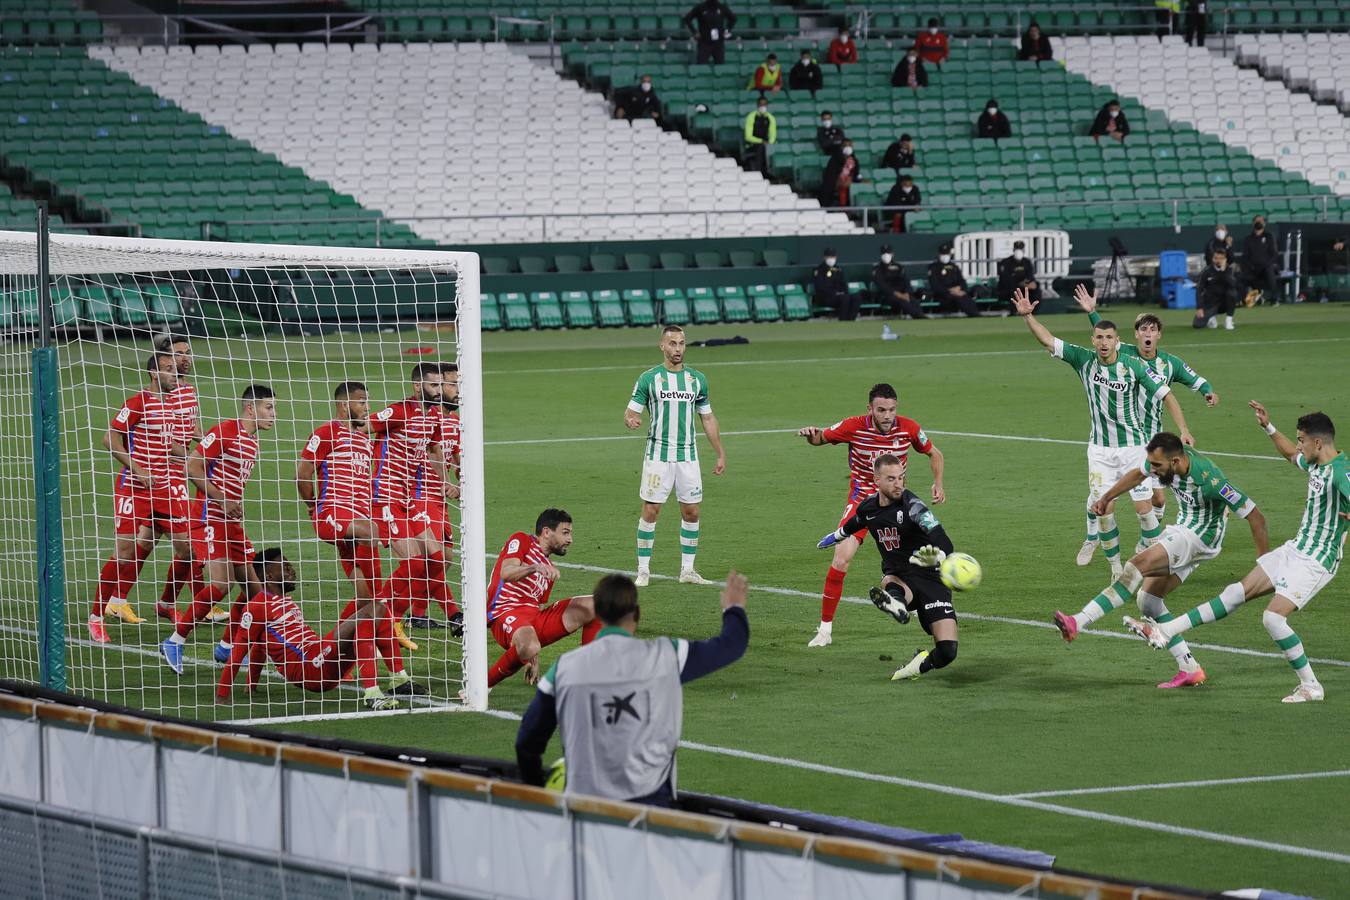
(961, 572)
(557, 775)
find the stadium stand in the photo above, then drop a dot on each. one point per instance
(47, 22)
(115, 151)
(1307, 141)
(18, 213)
(457, 130)
(1315, 64)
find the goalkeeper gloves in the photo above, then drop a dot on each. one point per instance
(928, 556)
(831, 539)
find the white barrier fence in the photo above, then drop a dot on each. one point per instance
(978, 252)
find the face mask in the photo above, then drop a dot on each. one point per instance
(1018, 254)
(848, 151)
(1221, 234)
(993, 110)
(1114, 113)
(944, 258)
(830, 261)
(825, 123)
(1219, 266)
(763, 110)
(843, 39)
(911, 57)
(646, 87)
(806, 60)
(886, 257)
(933, 30)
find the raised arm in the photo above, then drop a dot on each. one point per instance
(1023, 306)
(1087, 301)
(707, 656)
(536, 730)
(1286, 447)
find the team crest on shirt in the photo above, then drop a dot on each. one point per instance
(1228, 493)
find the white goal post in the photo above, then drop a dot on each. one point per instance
(300, 321)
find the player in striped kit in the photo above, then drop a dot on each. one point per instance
(436, 494)
(1296, 570)
(1205, 497)
(876, 433)
(1148, 333)
(672, 394)
(1117, 388)
(219, 468)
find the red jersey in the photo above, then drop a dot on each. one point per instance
(866, 443)
(531, 591)
(184, 399)
(273, 628)
(428, 482)
(405, 431)
(150, 422)
(230, 454)
(343, 457)
(932, 47)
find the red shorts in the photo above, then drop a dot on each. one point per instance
(849, 510)
(163, 510)
(438, 519)
(214, 539)
(547, 623)
(397, 519)
(331, 526)
(322, 672)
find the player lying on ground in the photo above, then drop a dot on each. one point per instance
(1118, 389)
(1296, 570)
(521, 583)
(1204, 498)
(868, 436)
(271, 626)
(913, 545)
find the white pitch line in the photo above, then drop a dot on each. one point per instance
(1170, 785)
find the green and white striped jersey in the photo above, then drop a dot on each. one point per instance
(1172, 370)
(1115, 393)
(671, 400)
(1321, 534)
(1204, 498)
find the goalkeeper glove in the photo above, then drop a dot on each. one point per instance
(831, 539)
(928, 556)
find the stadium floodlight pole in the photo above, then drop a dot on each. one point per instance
(468, 336)
(47, 475)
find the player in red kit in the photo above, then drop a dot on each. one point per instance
(149, 495)
(408, 437)
(879, 431)
(429, 483)
(271, 626)
(219, 469)
(521, 583)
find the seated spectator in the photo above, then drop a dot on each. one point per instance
(761, 130)
(1260, 262)
(829, 136)
(843, 51)
(932, 44)
(992, 123)
(1216, 292)
(903, 194)
(909, 72)
(900, 155)
(1222, 240)
(948, 285)
(836, 182)
(1110, 122)
(893, 288)
(1035, 45)
(831, 288)
(710, 22)
(1017, 271)
(638, 102)
(768, 76)
(806, 75)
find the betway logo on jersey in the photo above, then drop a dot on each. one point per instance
(686, 396)
(1109, 383)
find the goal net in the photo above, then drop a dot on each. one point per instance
(184, 370)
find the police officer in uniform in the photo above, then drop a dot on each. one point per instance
(711, 22)
(831, 288)
(892, 286)
(948, 285)
(1017, 271)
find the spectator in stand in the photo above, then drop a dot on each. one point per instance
(711, 22)
(906, 195)
(836, 182)
(900, 155)
(829, 136)
(1035, 45)
(909, 72)
(1260, 258)
(1222, 240)
(1197, 22)
(638, 102)
(1216, 292)
(761, 130)
(806, 75)
(768, 76)
(1166, 12)
(893, 288)
(932, 44)
(948, 285)
(1017, 271)
(1110, 123)
(993, 123)
(831, 288)
(843, 50)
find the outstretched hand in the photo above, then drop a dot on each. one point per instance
(1021, 301)
(734, 592)
(1262, 417)
(1085, 298)
(1212, 399)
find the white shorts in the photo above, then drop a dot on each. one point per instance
(1107, 465)
(1185, 550)
(1296, 576)
(660, 478)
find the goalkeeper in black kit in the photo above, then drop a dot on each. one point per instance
(913, 545)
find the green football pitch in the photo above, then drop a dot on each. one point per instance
(1025, 740)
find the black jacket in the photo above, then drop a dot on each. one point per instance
(1259, 251)
(890, 278)
(1013, 273)
(942, 277)
(1038, 48)
(900, 77)
(635, 103)
(1214, 288)
(829, 283)
(995, 126)
(1215, 244)
(829, 139)
(898, 197)
(896, 158)
(830, 177)
(708, 16)
(806, 77)
(1098, 128)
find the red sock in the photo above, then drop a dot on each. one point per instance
(131, 571)
(829, 598)
(201, 604)
(506, 665)
(367, 560)
(590, 630)
(347, 562)
(403, 584)
(437, 589)
(109, 581)
(180, 573)
(196, 579)
(384, 641)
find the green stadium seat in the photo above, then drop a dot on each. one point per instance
(515, 308)
(163, 304)
(706, 309)
(776, 258)
(547, 310)
(744, 259)
(604, 262)
(796, 305)
(533, 265)
(131, 308)
(577, 309)
(709, 259)
(66, 306)
(673, 260)
(675, 308)
(490, 316)
(611, 313)
(764, 303)
(639, 307)
(637, 262)
(566, 263)
(98, 304)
